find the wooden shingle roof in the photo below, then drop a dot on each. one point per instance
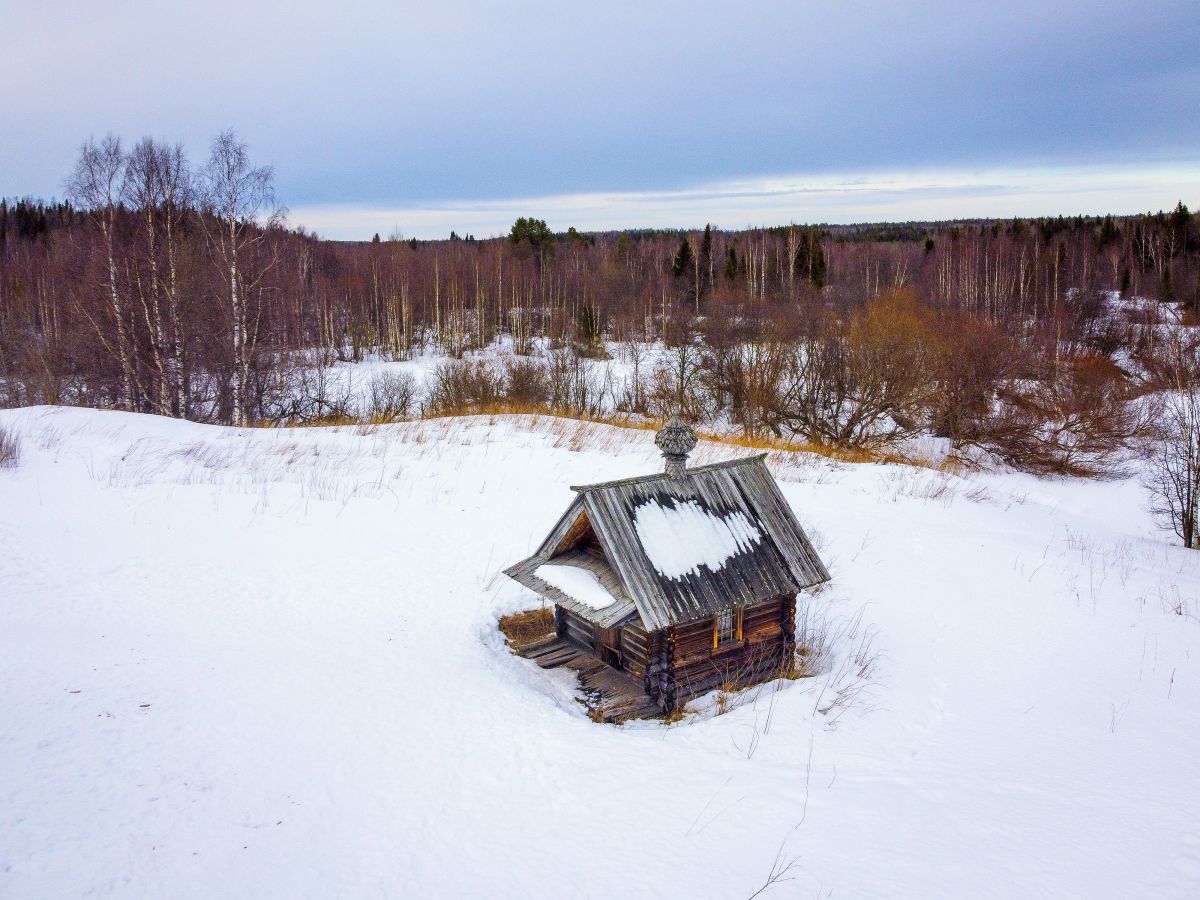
(766, 552)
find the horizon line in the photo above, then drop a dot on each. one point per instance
(837, 199)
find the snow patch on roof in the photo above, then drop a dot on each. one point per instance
(579, 584)
(679, 540)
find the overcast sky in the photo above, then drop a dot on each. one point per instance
(426, 117)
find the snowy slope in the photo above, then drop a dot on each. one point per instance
(264, 663)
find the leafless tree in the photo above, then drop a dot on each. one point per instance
(238, 213)
(95, 185)
(1173, 477)
(158, 187)
(863, 382)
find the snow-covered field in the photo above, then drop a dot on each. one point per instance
(264, 663)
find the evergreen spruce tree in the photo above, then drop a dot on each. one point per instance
(731, 264)
(684, 259)
(1108, 233)
(810, 259)
(801, 262)
(588, 328)
(1180, 224)
(534, 231)
(818, 266)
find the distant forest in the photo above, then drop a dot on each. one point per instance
(170, 287)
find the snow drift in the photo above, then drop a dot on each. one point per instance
(265, 663)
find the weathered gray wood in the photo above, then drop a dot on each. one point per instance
(542, 647)
(666, 630)
(782, 562)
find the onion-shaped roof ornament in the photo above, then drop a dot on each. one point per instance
(676, 440)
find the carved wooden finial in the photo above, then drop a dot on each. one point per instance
(676, 440)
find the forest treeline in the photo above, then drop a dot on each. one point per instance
(174, 287)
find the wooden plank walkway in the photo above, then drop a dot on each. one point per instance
(610, 695)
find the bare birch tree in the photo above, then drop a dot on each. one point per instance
(95, 185)
(239, 211)
(158, 188)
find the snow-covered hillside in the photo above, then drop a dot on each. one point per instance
(264, 663)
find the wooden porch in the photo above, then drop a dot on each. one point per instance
(609, 694)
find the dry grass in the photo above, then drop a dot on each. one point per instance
(633, 422)
(804, 664)
(673, 717)
(526, 627)
(841, 454)
(10, 448)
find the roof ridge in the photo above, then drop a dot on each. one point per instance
(663, 476)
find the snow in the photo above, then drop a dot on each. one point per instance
(609, 378)
(577, 583)
(252, 663)
(679, 539)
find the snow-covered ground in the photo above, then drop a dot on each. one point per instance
(610, 377)
(264, 663)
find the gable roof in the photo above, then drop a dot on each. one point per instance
(677, 549)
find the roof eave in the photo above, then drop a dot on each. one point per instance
(522, 573)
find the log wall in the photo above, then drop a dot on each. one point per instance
(575, 628)
(635, 650)
(678, 663)
(760, 655)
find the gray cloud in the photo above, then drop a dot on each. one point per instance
(399, 105)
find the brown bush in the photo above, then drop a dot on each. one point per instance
(393, 395)
(1080, 419)
(746, 379)
(865, 380)
(971, 358)
(464, 386)
(526, 382)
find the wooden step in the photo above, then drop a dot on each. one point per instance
(615, 695)
(557, 658)
(541, 645)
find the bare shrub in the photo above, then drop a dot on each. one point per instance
(10, 448)
(1173, 476)
(526, 382)
(865, 381)
(971, 357)
(393, 396)
(1079, 420)
(298, 391)
(1161, 359)
(745, 379)
(677, 385)
(633, 400)
(573, 388)
(464, 386)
